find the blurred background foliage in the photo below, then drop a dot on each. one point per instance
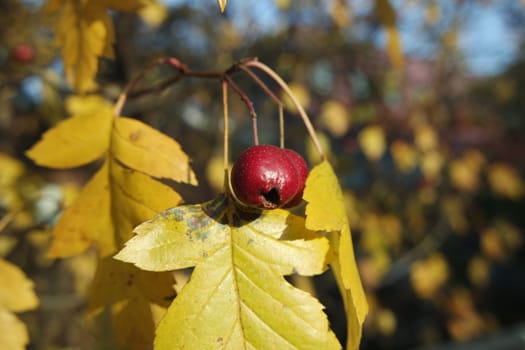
(419, 105)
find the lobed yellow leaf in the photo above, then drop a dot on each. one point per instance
(87, 220)
(85, 32)
(135, 198)
(236, 297)
(16, 290)
(88, 105)
(325, 212)
(130, 293)
(145, 149)
(75, 141)
(14, 334)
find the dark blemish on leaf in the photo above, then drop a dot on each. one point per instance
(220, 340)
(133, 137)
(170, 297)
(129, 282)
(178, 215)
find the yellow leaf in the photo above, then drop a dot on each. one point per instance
(388, 18)
(404, 155)
(301, 94)
(145, 149)
(325, 212)
(222, 5)
(432, 164)
(14, 333)
(153, 13)
(372, 142)
(335, 117)
(79, 227)
(341, 13)
(12, 169)
(215, 173)
(88, 105)
(74, 142)
(429, 275)
(505, 181)
(130, 292)
(236, 296)
(135, 198)
(16, 290)
(85, 32)
(426, 138)
(121, 198)
(394, 47)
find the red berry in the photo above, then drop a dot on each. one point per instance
(24, 53)
(267, 176)
(302, 172)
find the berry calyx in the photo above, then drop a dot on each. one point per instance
(268, 177)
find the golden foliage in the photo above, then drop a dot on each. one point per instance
(236, 295)
(117, 198)
(16, 295)
(325, 211)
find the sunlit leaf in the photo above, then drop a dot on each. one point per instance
(145, 149)
(11, 169)
(404, 154)
(16, 295)
(341, 13)
(432, 164)
(153, 13)
(465, 172)
(300, 91)
(505, 181)
(222, 5)
(479, 271)
(388, 18)
(88, 104)
(14, 334)
(426, 138)
(453, 209)
(236, 296)
(429, 275)
(372, 142)
(76, 230)
(85, 32)
(130, 293)
(75, 141)
(16, 290)
(325, 212)
(335, 117)
(215, 173)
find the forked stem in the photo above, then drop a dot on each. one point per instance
(306, 121)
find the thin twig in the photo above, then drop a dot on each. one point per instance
(281, 126)
(302, 113)
(249, 105)
(225, 116)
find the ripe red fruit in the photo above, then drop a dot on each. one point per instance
(302, 172)
(24, 53)
(268, 177)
